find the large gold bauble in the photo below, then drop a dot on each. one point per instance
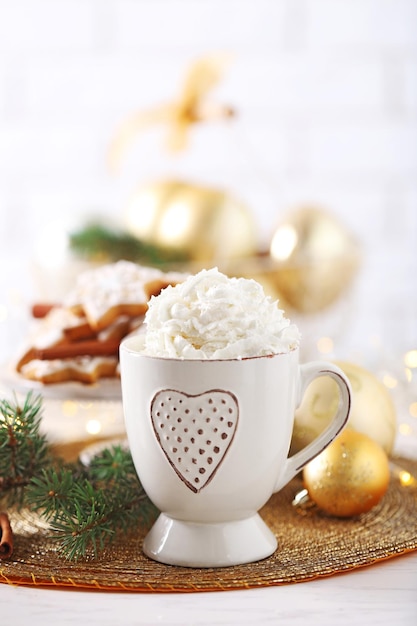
(349, 477)
(313, 260)
(372, 410)
(204, 224)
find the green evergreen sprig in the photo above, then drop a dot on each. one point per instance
(23, 449)
(96, 241)
(85, 506)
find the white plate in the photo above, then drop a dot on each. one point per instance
(68, 420)
(104, 389)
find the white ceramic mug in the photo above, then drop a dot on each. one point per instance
(210, 442)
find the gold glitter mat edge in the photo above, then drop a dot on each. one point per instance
(310, 545)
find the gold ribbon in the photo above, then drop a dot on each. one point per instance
(179, 115)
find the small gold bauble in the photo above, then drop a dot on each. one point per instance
(314, 260)
(372, 410)
(203, 223)
(349, 477)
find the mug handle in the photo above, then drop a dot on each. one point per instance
(308, 372)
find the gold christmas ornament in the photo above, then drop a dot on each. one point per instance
(313, 260)
(206, 224)
(372, 411)
(349, 477)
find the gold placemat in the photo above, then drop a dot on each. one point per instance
(310, 545)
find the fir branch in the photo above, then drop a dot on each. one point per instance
(96, 241)
(23, 449)
(112, 464)
(85, 513)
(84, 506)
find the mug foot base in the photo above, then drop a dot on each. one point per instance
(192, 544)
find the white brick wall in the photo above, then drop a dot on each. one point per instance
(326, 92)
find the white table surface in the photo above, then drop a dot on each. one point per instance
(381, 594)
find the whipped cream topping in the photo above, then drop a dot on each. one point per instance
(212, 316)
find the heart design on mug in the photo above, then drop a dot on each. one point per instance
(195, 432)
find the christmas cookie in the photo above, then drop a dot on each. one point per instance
(79, 339)
(121, 288)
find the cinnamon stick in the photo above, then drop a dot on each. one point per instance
(41, 309)
(81, 348)
(6, 537)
